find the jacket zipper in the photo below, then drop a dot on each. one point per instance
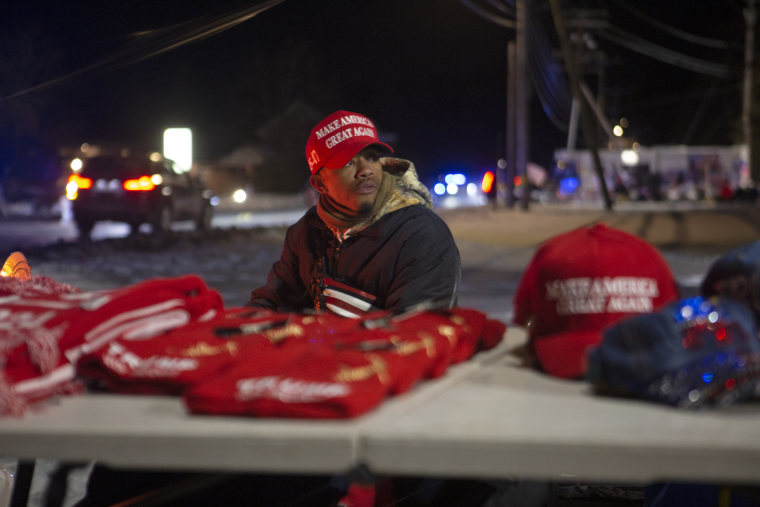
(335, 258)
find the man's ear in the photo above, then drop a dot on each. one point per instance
(316, 182)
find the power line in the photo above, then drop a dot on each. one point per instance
(493, 18)
(154, 43)
(549, 83)
(686, 36)
(545, 72)
(639, 45)
(505, 7)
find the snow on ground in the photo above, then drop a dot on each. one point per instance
(232, 261)
(495, 246)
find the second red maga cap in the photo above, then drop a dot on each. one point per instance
(338, 138)
(582, 281)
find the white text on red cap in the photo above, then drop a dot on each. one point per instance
(343, 121)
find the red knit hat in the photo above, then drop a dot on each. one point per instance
(580, 282)
(338, 138)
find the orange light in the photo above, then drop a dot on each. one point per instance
(80, 181)
(143, 183)
(517, 181)
(487, 184)
(16, 266)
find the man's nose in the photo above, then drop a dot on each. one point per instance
(364, 168)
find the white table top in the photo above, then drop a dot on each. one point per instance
(505, 420)
(488, 417)
(157, 432)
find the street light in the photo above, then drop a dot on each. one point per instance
(629, 157)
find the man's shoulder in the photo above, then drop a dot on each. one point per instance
(307, 224)
(417, 211)
(417, 217)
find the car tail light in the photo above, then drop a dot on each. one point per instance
(74, 183)
(80, 181)
(488, 180)
(141, 184)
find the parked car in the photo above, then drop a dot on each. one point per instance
(136, 191)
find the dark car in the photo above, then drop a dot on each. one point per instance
(136, 191)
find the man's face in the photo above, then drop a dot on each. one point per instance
(355, 185)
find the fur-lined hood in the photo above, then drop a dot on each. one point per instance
(408, 183)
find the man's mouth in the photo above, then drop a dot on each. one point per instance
(366, 187)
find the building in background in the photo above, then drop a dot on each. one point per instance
(655, 173)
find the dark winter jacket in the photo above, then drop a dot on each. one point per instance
(406, 257)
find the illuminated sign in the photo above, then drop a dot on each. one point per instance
(178, 146)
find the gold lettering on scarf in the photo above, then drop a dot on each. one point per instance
(277, 335)
(449, 332)
(203, 349)
(358, 373)
(408, 347)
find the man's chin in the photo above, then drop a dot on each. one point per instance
(365, 208)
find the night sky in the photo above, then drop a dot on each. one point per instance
(431, 74)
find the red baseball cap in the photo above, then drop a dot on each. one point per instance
(582, 281)
(338, 138)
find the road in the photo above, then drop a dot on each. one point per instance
(495, 245)
(22, 232)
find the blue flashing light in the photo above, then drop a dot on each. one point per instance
(707, 377)
(688, 308)
(439, 189)
(455, 179)
(697, 307)
(568, 185)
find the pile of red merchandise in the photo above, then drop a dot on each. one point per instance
(268, 364)
(45, 327)
(173, 336)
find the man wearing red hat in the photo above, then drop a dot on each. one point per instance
(372, 241)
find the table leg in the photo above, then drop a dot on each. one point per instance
(22, 483)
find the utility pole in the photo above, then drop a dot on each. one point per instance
(587, 123)
(750, 17)
(517, 131)
(510, 158)
(521, 98)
